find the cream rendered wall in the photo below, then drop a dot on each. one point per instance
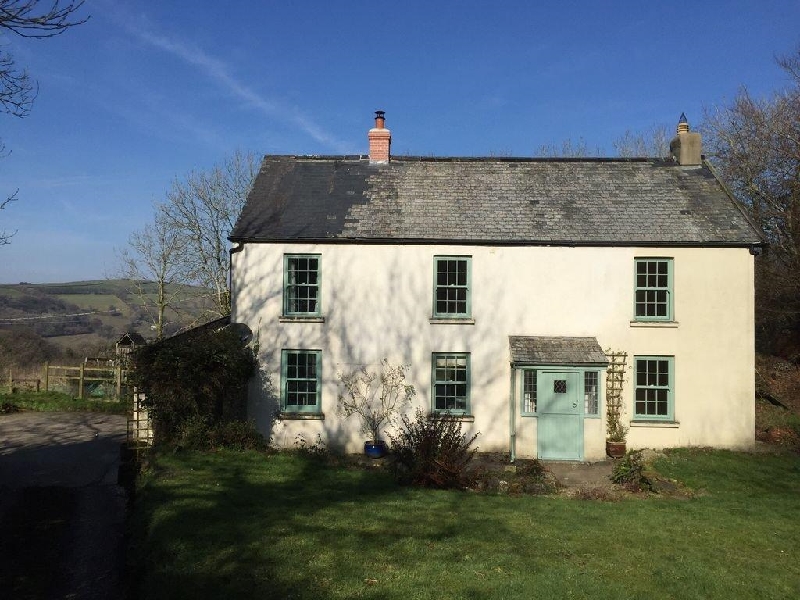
(377, 302)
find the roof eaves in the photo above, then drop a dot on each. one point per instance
(493, 242)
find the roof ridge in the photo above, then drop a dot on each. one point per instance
(473, 159)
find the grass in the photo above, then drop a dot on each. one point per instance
(56, 401)
(250, 525)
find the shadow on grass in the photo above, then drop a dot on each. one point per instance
(225, 525)
(276, 526)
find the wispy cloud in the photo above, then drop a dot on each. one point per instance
(219, 72)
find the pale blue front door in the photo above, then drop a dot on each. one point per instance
(560, 416)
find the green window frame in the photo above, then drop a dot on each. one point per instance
(452, 282)
(301, 285)
(529, 394)
(653, 297)
(450, 383)
(654, 388)
(301, 381)
(591, 393)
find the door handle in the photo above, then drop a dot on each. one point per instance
(574, 405)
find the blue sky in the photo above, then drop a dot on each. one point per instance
(147, 91)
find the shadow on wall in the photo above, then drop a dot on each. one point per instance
(376, 304)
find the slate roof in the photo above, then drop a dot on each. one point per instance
(537, 350)
(491, 200)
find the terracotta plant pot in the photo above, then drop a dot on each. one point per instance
(615, 449)
(375, 449)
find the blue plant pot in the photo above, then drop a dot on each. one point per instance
(375, 449)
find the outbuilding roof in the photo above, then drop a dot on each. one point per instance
(542, 351)
(491, 201)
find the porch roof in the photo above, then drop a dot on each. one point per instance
(541, 350)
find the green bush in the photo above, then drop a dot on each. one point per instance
(432, 452)
(238, 435)
(196, 433)
(199, 374)
(630, 471)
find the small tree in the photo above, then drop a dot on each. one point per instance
(201, 210)
(154, 257)
(375, 397)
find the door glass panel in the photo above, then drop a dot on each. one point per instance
(560, 386)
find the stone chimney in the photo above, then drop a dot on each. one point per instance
(686, 148)
(380, 140)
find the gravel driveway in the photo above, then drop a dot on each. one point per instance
(62, 514)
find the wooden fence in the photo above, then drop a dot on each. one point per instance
(83, 381)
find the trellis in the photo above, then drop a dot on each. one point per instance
(615, 378)
(140, 427)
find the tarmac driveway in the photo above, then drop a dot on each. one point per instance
(62, 514)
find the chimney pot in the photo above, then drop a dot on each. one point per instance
(683, 124)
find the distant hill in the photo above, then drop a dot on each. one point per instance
(83, 315)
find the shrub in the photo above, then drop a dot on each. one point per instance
(198, 374)
(196, 433)
(8, 407)
(432, 452)
(630, 472)
(317, 450)
(526, 476)
(238, 435)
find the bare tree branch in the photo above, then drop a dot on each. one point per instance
(202, 209)
(567, 149)
(755, 145)
(653, 143)
(27, 18)
(155, 255)
(5, 236)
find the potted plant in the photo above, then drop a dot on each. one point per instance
(616, 432)
(376, 398)
(616, 442)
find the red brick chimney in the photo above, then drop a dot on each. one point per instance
(380, 140)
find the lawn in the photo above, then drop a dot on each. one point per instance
(56, 401)
(227, 525)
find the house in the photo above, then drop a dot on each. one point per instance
(504, 283)
(126, 344)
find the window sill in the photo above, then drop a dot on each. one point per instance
(530, 414)
(300, 319)
(298, 416)
(656, 424)
(445, 417)
(452, 321)
(656, 324)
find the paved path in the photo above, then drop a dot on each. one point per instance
(581, 475)
(62, 515)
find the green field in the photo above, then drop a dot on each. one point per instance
(115, 306)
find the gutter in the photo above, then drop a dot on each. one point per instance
(511, 243)
(231, 252)
(512, 432)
